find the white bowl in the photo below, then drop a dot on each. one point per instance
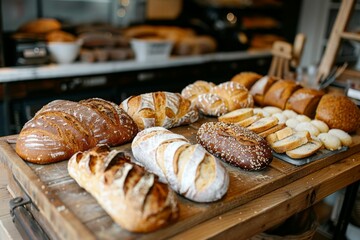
(151, 50)
(64, 52)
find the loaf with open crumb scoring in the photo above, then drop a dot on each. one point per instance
(163, 109)
(192, 91)
(235, 145)
(280, 92)
(188, 168)
(133, 197)
(61, 128)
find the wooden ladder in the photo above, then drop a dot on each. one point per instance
(338, 33)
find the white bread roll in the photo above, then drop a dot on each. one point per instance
(272, 110)
(307, 126)
(290, 113)
(322, 126)
(189, 169)
(281, 117)
(292, 122)
(303, 118)
(331, 142)
(344, 137)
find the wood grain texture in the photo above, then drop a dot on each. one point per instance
(74, 213)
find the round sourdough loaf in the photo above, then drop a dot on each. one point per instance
(338, 111)
(235, 145)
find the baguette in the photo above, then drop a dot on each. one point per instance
(164, 109)
(61, 128)
(189, 169)
(134, 198)
(293, 141)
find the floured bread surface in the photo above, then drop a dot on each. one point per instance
(189, 169)
(235, 145)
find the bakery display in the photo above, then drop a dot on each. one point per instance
(62, 128)
(247, 79)
(280, 92)
(164, 109)
(133, 197)
(188, 168)
(339, 112)
(235, 145)
(305, 101)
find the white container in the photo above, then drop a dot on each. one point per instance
(64, 52)
(151, 49)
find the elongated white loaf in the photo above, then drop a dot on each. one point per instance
(189, 169)
(133, 197)
(164, 109)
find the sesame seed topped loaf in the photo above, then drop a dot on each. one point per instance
(235, 145)
(62, 128)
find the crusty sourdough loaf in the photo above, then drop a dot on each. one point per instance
(247, 79)
(133, 197)
(338, 111)
(235, 145)
(189, 169)
(224, 98)
(61, 128)
(305, 101)
(164, 109)
(193, 90)
(280, 92)
(260, 87)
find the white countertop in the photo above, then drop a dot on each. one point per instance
(13, 74)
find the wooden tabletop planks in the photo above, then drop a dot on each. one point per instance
(72, 212)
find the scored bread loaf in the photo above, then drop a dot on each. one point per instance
(304, 101)
(192, 91)
(61, 128)
(280, 92)
(259, 89)
(224, 98)
(164, 109)
(133, 197)
(235, 145)
(247, 79)
(189, 169)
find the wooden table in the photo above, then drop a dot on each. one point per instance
(255, 201)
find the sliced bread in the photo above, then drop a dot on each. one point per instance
(263, 124)
(250, 120)
(236, 115)
(305, 150)
(279, 135)
(293, 141)
(274, 129)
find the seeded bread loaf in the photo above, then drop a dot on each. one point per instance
(189, 169)
(134, 198)
(235, 145)
(61, 128)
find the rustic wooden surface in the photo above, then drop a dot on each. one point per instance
(69, 212)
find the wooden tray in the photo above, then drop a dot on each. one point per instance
(71, 213)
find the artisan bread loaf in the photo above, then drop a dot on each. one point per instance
(61, 128)
(224, 98)
(189, 169)
(235, 145)
(339, 112)
(192, 91)
(247, 79)
(280, 92)
(40, 26)
(305, 101)
(133, 197)
(260, 87)
(164, 109)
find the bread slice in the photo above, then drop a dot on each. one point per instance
(263, 124)
(293, 141)
(250, 120)
(279, 135)
(236, 115)
(305, 150)
(274, 129)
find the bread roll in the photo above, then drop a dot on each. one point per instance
(247, 79)
(331, 142)
(292, 122)
(344, 137)
(289, 113)
(338, 112)
(281, 117)
(262, 112)
(235, 145)
(280, 92)
(272, 110)
(307, 126)
(192, 91)
(187, 168)
(323, 127)
(304, 101)
(59, 36)
(259, 89)
(134, 198)
(62, 128)
(303, 118)
(40, 26)
(164, 109)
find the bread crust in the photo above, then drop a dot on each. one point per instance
(235, 145)
(305, 101)
(280, 92)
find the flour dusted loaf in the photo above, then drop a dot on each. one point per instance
(133, 197)
(163, 109)
(235, 145)
(339, 112)
(61, 128)
(193, 90)
(189, 169)
(224, 98)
